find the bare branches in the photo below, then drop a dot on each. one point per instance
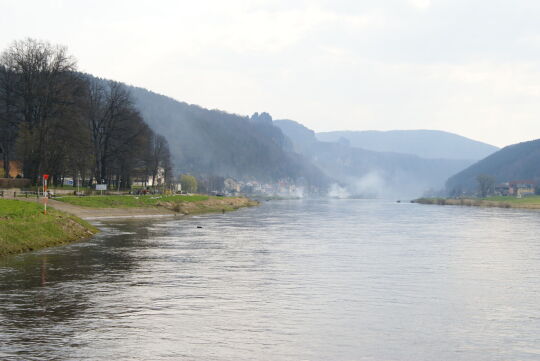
(58, 121)
(41, 82)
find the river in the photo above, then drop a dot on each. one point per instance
(289, 280)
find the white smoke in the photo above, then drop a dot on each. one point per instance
(397, 185)
(376, 184)
(299, 192)
(372, 185)
(336, 191)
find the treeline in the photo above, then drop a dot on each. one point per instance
(57, 121)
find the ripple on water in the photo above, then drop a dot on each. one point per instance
(290, 280)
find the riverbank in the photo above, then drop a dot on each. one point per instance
(93, 207)
(498, 202)
(24, 227)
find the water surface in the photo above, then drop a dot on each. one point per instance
(290, 280)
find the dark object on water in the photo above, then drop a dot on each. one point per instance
(398, 201)
(199, 226)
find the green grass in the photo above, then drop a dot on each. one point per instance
(498, 201)
(15, 209)
(128, 201)
(524, 200)
(24, 227)
(67, 187)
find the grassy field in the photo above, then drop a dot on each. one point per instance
(129, 201)
(24, 227)
(68, 188)
(499, 201)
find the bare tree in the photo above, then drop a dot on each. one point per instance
(115, 127)
(43, 89)
(105, 103)
(9, 121)
(63, 123)
(486, 184)
(158, 156)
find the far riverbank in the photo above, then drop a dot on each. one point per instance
(498, 202)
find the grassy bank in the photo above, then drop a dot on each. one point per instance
(185, 204)
(500, 202)
(24, 227)
(210, 205)
(129, 201)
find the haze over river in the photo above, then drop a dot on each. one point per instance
(289, 280)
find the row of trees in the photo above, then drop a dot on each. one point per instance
(55, 120)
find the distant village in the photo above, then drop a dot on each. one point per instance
(519, 189)
(488, 187)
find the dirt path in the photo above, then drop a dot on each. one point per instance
(98, 213)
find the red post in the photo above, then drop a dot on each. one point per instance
(45, 177)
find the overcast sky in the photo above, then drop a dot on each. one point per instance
(467, 66)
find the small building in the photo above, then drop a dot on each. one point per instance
(522, 188)
(502, 189)
(232, 185)
(147, 181)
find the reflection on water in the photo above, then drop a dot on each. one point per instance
(290, 280)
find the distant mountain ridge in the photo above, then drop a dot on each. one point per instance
(515, 162)
(369, 172)
(430, 144)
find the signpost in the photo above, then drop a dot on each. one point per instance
(101, 187)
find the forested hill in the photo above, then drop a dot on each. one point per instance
(431, 144)
(213, 142)
(516, 162)
(366, 172)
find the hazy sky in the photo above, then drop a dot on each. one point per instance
(465, 66)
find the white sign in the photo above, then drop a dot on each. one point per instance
(101, 187)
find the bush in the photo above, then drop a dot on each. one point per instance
(189, 183)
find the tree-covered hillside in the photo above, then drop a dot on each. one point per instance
(213, 142)
(516, 162)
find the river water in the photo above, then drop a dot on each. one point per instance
(289, 280)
